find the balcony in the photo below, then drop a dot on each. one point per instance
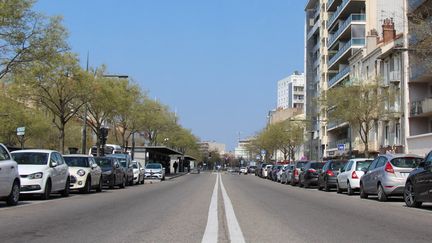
(421, 108)
(342, 74)
(394, 76)
(353, 43)
(313, 29)
(335, 15)
(331, 4)
(316, 47)
(334, 144)
(316, 62)
(352, 19)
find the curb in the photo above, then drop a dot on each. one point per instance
(177, 175)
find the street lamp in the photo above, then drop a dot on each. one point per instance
(84, 130)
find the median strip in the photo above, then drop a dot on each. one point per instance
(212, 228)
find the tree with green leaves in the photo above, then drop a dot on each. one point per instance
(27, 36)
(359, 104)
(59, 85)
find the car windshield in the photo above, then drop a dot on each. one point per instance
(30, 158)
(361, 165)
(336, 165)
(406, 162)
(153, 166)
(103, 162)
(77, 161)
(316, 165)
(122, 162)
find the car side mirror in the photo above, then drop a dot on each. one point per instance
(422, 164)
(53, 163)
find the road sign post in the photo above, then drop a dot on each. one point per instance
(21, 134)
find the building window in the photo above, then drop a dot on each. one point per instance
(397, 132)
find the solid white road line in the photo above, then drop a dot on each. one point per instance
(235, 232)
(212, 228)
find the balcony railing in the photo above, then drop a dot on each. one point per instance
(338, 76)
(330, 3)
(352, 18)
(316, 62)
(314, 28)
(421, 107)
(317, 11)
(348, 45)
(334, 144)
(337, 12)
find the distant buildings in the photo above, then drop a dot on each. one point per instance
(291, 92)
(211, 146)
(241, 151)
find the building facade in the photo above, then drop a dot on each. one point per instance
(291, 92)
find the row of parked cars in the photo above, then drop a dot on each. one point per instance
(385, 176)
(43, 172)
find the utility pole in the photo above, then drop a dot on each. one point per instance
(84, 131)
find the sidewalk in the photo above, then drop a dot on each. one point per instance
(172, 176)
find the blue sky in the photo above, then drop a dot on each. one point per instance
(216, 62)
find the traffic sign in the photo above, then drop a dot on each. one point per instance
(263, 152)
(20, 131)
(341, 147)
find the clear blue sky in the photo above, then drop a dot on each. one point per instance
(216, 62)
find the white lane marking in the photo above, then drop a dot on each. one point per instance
(235, 232)
(212, 228)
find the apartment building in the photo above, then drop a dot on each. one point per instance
(335, 32)
(419, 113)
(291, 92)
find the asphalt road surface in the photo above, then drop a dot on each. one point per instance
(208, 207)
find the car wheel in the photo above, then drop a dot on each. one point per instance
(99, 188)
(363, 194)
(13, 197)
(382, 197)
(350, 191)
(47, 192)
(87, 186)
(409, 196)
(66, 191)
(326, 186)
(338, 189)
(123, 184)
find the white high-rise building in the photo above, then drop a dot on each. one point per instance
(291, 91)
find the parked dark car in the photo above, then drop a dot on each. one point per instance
(418, 187)
(296, 172)
(112, 172)
(309, 174)
(274, 171)
(126, 163)
(328, 176)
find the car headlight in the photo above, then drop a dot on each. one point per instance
(81, 172)
(37, 175)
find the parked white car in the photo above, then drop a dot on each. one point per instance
(42, 172)
(243, 170)
(349, 177)
(138, 172)
(85, 174)
(280, 172)
(9, 178)
(155, 171)
(266, 170)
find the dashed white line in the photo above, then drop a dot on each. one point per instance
(212, 228)
(235, 232)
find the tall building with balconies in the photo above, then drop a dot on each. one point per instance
(290, 92)
(335, 31)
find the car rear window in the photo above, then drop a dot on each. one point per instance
(316, 165)
(77, 161)
(301, 164)
(406, 162)
(363, 164)
(337, 165)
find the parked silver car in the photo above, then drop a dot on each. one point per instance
(287, 174)
(387, 174)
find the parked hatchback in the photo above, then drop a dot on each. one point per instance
(112, 173)
(126, 163)
(9, 178)
(349, 177)
(418, 187)
(286, 176)
(85, 174)
(138, 172)
(309, 174)
(296, 172)
(328, 176)
(42, 172)
(387, 174)
(154, 171)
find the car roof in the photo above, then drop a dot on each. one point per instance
(34, 151)
(361, 159)
(78, 155)
(400, 155)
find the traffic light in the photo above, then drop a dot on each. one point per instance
(103, 134)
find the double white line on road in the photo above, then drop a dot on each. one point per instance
(212, 228)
